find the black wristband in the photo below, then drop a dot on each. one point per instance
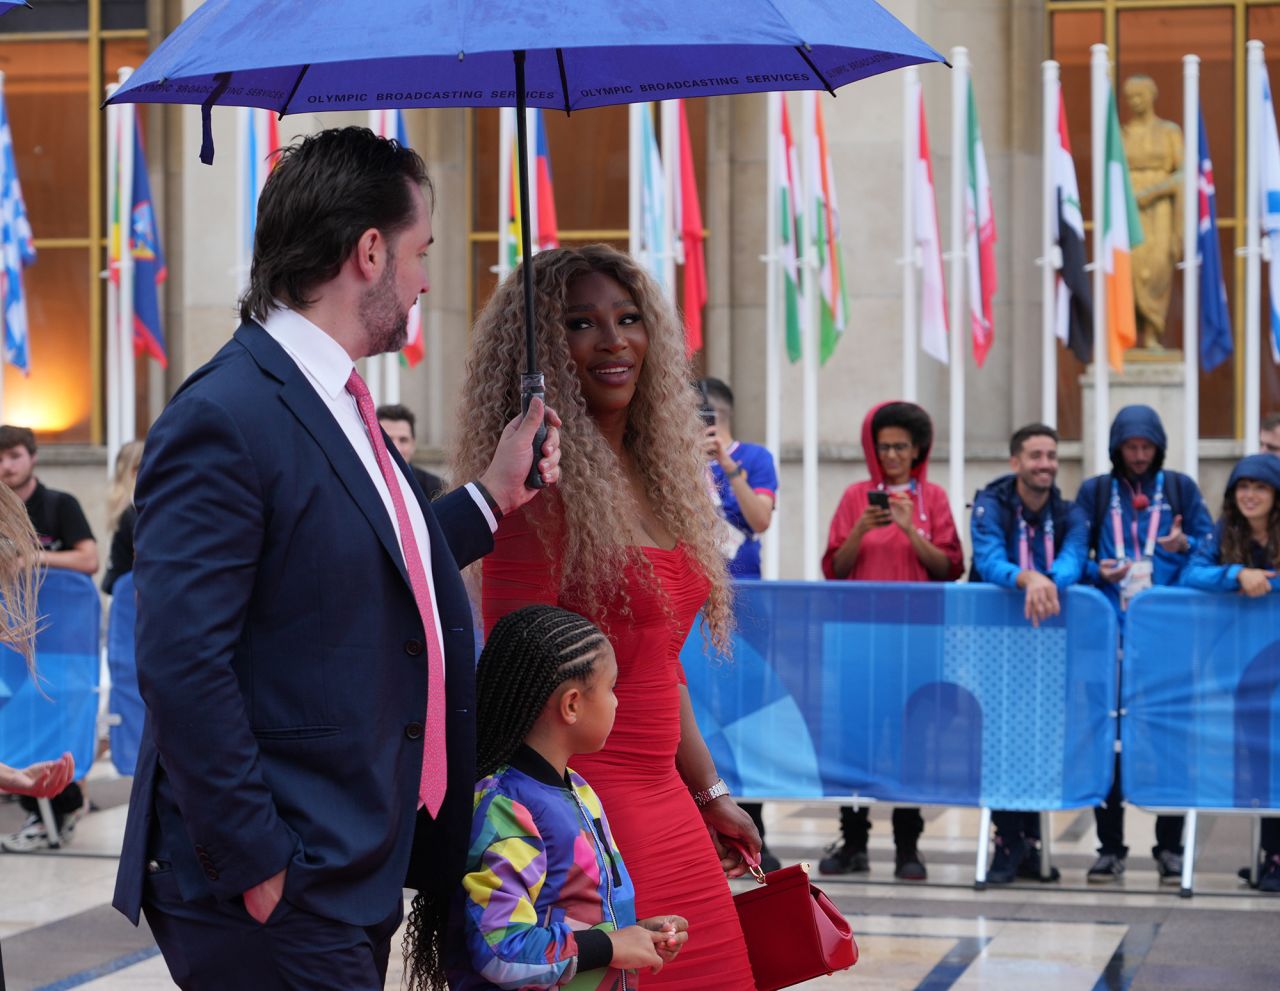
(595, 949)
(488, 497)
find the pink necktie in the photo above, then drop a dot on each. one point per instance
(431, 786)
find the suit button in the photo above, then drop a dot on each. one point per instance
(413, 647)
(211, 873)
(153, 867)
(413, 731)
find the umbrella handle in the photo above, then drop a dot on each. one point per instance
(532, 385)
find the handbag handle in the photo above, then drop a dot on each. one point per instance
(748, 858)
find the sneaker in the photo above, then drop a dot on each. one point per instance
(1006, 861)
(32, 836)
(1169, 867)
(67, 824)
(910, 866)
(1269, 878)
(1029, 869)
(768, 862)
(841, 859)
(1107, 868)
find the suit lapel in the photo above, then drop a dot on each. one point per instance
(300, 396)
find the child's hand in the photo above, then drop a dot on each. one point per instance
(669, 933)
(633, 949)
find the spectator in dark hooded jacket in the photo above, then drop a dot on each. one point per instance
(1144, 522)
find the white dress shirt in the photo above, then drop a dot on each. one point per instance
(327, 367)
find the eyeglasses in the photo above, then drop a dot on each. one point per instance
(892, 448)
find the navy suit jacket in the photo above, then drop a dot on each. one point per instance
(280, 654)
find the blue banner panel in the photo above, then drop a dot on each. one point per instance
(914, 693)
(36, 726)
(125, 702)
(1202, 714)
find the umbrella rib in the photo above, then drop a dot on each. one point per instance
(816, 71)
(293, 92)
(564, 79)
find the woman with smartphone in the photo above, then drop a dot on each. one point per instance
(896, 526)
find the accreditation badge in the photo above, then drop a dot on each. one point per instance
(1137, 579)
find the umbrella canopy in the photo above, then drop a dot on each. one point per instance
(8, 5)
(300, 55)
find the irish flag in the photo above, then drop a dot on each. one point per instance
(788, 231)
(1122, 229)
(980, 228)
(826, 236)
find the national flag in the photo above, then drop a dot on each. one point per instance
(260, 140)
(389, 123)
(1122, 231)
(548, 229)
(509, 177)
(148, 260)
(1269, 187)
(826, 237)
(17, 250)
(655, 245)
(1073, 294)
(1215, 319)
(789, 231)
(980, 232)
(690, 227)
(933, 293)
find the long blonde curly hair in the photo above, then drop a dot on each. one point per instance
(576, 522)
(20, 576)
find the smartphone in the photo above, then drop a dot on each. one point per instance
(705, 409)
(878, 499)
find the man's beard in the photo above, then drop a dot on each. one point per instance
(386, 324)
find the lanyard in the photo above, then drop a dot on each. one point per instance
(1153, 522)
(1025, 533)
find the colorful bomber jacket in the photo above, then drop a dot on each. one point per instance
(544, 885)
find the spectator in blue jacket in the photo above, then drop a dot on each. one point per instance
(1144, 522)
(1025, 535)
(1243, 555)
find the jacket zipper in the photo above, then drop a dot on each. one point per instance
(605, 862)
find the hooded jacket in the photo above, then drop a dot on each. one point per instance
(1181, 495)
(995, 534)
(1207, 570)
(885, 554)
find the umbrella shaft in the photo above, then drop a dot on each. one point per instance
(526, 240)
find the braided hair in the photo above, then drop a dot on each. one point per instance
(528, 655)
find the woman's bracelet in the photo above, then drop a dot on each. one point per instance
(708, 795)
(738, 470)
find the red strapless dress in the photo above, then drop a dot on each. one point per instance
(659, 830)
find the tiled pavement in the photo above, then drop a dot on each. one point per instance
(58, 931)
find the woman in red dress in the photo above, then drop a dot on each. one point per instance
(629, 539)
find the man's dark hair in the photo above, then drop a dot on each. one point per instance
(324, 192)
(1024, 434)
(395, 411)
(717, 390)
(1270, 421)
(11, 437)
(909, 417)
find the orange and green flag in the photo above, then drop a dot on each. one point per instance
(1122, 231)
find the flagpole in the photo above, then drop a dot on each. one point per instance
(773, 329)
(1192, 154)
(1253, 249)
(114, 203)
(959, 179)
(376, 370)
(126, 399)
(808, 305)
(1100, 93)
(910, 260)
(532, 123)
(244, 125)
(506, 140)
(670, 123)
(635, 176)
(1050, 255)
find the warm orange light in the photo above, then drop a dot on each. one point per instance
(49, 402)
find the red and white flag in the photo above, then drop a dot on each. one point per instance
(933, 292)
(690, 230)
(980, 233)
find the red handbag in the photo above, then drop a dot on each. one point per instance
(794, 932)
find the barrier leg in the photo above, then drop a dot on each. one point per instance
(1046, 843)
(984, 843)
(1255, 849)
(50, 822)
(1189, 856)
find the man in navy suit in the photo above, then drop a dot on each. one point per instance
(300, 607)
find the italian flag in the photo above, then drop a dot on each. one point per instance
(980, 250)
(826, 236)
(1122, 229)
(788, 228)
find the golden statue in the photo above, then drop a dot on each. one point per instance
(1153, 148)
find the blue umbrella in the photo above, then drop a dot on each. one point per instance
(8, 5)
(304, 55)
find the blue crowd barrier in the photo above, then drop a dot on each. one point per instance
(125, 704)
(911, 693)
(40, 722)
(1201, 725)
